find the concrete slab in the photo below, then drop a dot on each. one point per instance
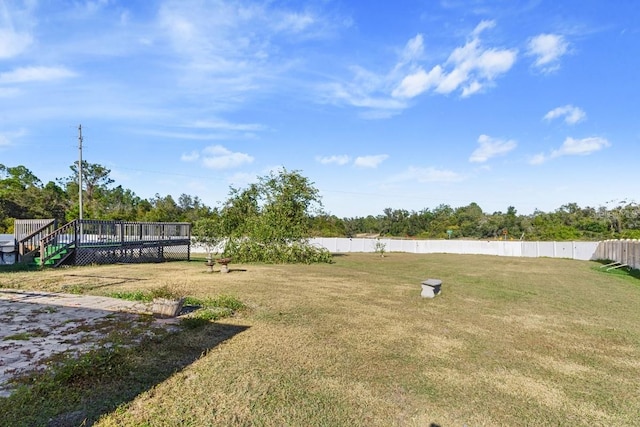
(37, 325)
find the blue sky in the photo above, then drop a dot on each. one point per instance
(406, 104)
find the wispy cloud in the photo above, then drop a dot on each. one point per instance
(15, 28)
(7, 138)
(35, 74)
(424, 175)
(337, 160)
(547, 50)
(225, 125)
(573, 147)
(234, 49)
(370, 161)
(190, 157)
(571, 114)
(469, 69)
(217, 157)
(13, 43)
(491, 147)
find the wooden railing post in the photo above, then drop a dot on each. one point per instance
(42, 253)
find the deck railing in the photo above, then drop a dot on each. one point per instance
(97, 232)
(97, 241)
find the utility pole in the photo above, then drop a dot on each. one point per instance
(80, 170)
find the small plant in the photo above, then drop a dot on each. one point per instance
(380, 248)
(131, 296)
(166, 293)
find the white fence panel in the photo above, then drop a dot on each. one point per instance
(547, 249)
(625, 251)
(575, 250)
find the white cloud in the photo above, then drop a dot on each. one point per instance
(31, 74)
(13, 43)
(580, 147)
(294, 22)
(224, 125)
(491, 147)
(418, 82)
(370, 161)
(219, 157)
(190, 157)
(413, 50)
(338, 160)
(471, 68)
(573, 147)
(424, 175)
(571, 114)
(483, 25)
(547, 50)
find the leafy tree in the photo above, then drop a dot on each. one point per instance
(270, 220)
(209, 232)
(19, 192)
(192, 208)
(95, 187)
(325, 225)
(469, 219)
(120, 204)
(163, 209)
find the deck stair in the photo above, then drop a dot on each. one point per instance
(55, 255)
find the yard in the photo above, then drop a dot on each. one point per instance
(510, 341)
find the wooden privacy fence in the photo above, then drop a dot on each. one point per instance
(621, 251)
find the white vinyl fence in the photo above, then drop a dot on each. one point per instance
(573, 250)
(623, 251)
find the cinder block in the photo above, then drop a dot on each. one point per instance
(431, 288)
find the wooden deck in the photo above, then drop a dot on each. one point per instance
(83, 242)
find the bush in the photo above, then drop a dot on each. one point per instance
(298, 252)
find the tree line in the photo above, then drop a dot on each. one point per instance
(285, 205)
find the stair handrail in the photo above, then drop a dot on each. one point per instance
(32, 241)
(52, 238)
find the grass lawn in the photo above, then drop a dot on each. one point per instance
(510, 341)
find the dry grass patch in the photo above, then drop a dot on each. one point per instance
(511, 341)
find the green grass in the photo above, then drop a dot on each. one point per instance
(21, 336)
(510, 341)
